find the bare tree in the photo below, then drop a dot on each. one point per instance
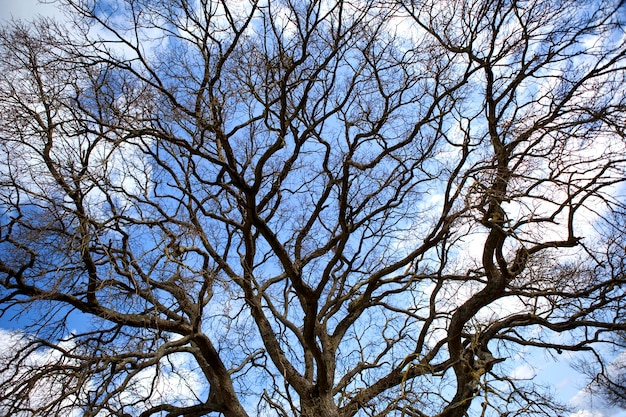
(305, 208)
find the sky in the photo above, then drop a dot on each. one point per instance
(24, 9)
(567, 382)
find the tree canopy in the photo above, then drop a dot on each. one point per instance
(308, 208)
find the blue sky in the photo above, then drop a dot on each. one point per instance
(566, 381)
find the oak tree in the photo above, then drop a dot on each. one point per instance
(320, 208)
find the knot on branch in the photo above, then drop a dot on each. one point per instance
(519, 263)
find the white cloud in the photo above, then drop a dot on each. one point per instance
(587, 413)
(173, 380)
(524, 371)
(14, 373)
(590, 405)
(25, 9)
